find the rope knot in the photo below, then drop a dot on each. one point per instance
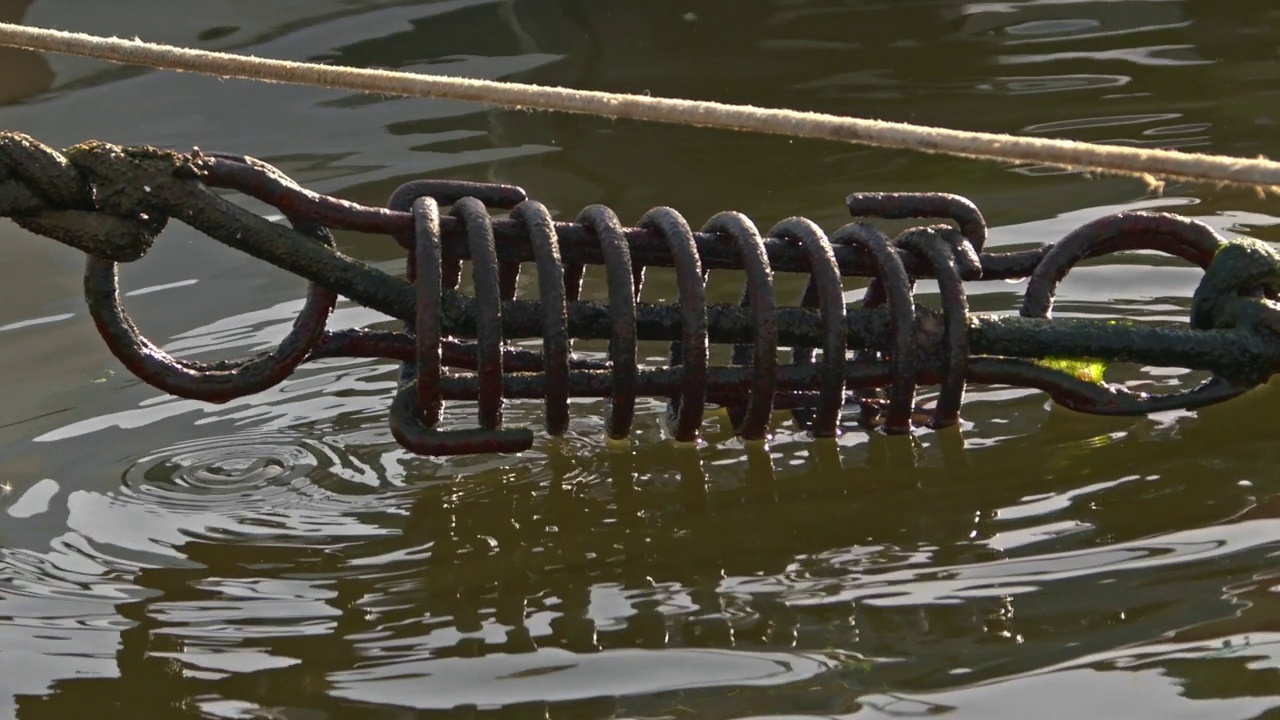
(96, 198)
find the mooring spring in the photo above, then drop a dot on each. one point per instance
(111, 202)
(951, 255)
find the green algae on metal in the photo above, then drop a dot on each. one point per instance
(1086, 369)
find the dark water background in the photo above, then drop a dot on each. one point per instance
(281, 557)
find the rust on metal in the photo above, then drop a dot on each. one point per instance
(112, 203)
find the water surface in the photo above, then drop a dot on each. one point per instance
(280, 556)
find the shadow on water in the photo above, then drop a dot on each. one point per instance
(281, 557)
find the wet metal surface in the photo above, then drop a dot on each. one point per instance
(281, 555)
(1233, 307)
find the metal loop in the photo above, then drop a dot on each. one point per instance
(415, 411)
(426, 329)
(824, 287)
(537, 221)
(214, 382)
(445, 193)
(1083, 396)
(897, 286)
(753, 423)
(485, 278)
(690, 352)
(946, 256)
(624, 290)
(1190, 240)
(408, 430)
(897, 206)
(449, 192)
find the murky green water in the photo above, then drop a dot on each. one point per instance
(281, 557)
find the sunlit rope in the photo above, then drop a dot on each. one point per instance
(1148, 164)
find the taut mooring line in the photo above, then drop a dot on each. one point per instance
(1148, 164)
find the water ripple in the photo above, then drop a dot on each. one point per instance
(252, 485)
(550, 675)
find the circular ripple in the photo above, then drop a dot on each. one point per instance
(217, 471)
(258, 483)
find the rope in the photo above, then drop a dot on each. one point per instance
(1147, 164)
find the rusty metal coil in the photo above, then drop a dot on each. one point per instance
(882, 350)
(951, 254)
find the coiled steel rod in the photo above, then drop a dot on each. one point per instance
(112, 202)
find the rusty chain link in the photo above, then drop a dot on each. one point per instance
(112, 202)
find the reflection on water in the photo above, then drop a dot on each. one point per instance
(281, 556)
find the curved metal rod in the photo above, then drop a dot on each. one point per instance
(537, 221)
(213, 382)
(415, 410)
(408, 430)
(824, 279)
(491, 195)
(426, 328)
(338, 214)
(967, 263)
(897, 286)
(1094, 398)
(485, 278)
(758, 294)
(690, 352)
(1181, 237)
(941, 254)
(623, 291)
(445, 193)
(392, 345)
(897, 206)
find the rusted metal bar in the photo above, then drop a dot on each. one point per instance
(112, 202)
